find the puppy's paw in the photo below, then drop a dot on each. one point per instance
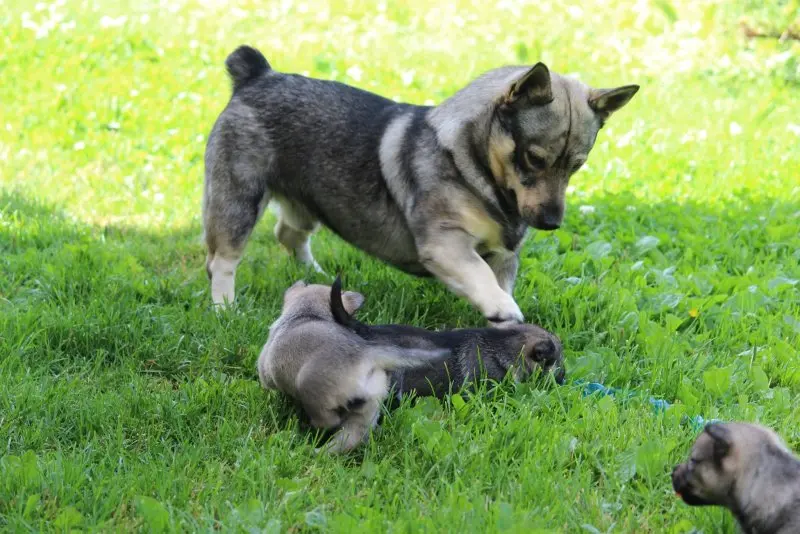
(336, 446)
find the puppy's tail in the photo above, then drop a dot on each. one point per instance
(390, 358)
(340, 315)
(245, 64)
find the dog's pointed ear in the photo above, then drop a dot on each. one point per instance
(352, 301)
(532, 88)
(722, 440)
(604, 102)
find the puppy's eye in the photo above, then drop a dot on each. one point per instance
(575, 168)
(535, 163)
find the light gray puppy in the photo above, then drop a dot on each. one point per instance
(446, 191)
(747, 469)
(339, 378)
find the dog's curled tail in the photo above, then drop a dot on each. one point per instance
(390, 358)
(340, 315)
(245, 64)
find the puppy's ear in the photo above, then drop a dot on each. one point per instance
(287, 295)
(723, 440)
(544, 350)
(352, 301)
(533, 88)
(604, 102)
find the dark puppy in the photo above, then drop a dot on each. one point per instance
(747, 469)
(475, 352)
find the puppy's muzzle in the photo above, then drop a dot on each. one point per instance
(560, 375)
(679, 478)
(551, 357)
(681, 485)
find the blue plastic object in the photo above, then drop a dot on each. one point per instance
(660, 406)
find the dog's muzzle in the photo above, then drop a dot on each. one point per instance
(680, 484)
(545, 218)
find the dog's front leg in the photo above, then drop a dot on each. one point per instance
(451, 257)
(504, 264)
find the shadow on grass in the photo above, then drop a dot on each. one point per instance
(638, 292)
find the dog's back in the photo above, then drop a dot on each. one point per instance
(284, 127)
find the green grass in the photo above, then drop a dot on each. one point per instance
(126, 403)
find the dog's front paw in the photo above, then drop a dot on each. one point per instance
(503, 311)
(503, 324)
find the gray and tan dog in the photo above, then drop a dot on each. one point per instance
(447, 191)
(339, 379)
(749, 470)
(475, 353)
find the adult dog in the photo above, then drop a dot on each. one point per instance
(447, 191)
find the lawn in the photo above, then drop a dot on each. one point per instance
(126, 403)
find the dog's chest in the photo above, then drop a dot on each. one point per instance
(513, 234)
(490, 233)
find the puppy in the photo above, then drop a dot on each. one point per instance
(747, 469)
(338, 378)
(473, 353)
(446, 191)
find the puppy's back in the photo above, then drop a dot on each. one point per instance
(290, 346)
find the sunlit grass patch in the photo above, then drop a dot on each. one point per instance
(126, 402)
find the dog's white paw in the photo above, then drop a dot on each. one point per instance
(503, 310)
(226, 310)
(314, 265)
(302, 253)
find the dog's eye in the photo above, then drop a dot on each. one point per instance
(576, 167)
(535, 162)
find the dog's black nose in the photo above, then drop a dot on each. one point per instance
(546, 224)
(548, 219)
(561, 376)
(676, 477)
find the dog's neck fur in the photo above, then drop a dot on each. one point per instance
(470, 112)
(773, 501)
(470, 104)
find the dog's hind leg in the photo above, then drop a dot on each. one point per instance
(229, 218)
(293, 231)
(238, 164)
(355, 428)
